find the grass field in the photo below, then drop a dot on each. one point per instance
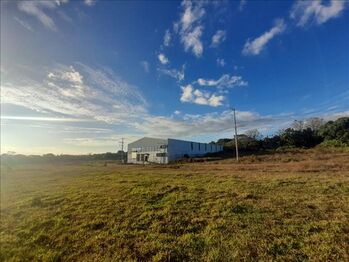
(284, 207)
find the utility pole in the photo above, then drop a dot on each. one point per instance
(122, 144)
(236, 138)
(123, 155)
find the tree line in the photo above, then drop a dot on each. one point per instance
(12, 157)
(302, 134)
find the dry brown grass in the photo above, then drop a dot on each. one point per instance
(291, 206)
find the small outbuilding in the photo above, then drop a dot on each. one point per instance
(163, 151)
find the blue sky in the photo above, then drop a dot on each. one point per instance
(77, 76)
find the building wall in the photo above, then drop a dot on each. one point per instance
(178, 148)
(163, 151)
(150, 147)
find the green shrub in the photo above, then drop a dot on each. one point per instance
(333, 143)
(336, 130)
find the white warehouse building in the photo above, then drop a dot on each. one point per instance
(163, 151)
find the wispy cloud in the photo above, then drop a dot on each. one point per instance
(208, 124)
(24, 24)
(90, 2)
(145, 65)
(242, 5)
(43, 119)
(219, 123)
(174, 73)
(255, 46)
(163, 59)
(225, 81)
(196, 96)
(78, 92)
(70, 75)
(65, 17)
(309, 12)
(192, 41)
(38, 9)
(218, 38)
(204, 97)
(190, 26)
(220, 62)
(99, 141)
(167, 38)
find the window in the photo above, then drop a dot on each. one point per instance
(199, 146)
(135, 149)
(134, 155)
(161, 154)
(205, 147)
(192, 146)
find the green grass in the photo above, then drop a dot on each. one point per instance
(284, 207)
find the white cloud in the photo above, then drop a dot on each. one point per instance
(107, 98)
(90, 2)
(225, 81)
(308, 12)
(78, 92)
(220, 62)
(192, 13)
(206, 124)
(145, 66)
(167, 38)
(174, 73)
(38, 10)
(68, 82)
(163, 59)
(42, 119)
(219, 124)
(242, 5)
(70, 75)
(65, 17)
(24, 24)
(190, 28)
(97, 141)
(255, 46)
(191, 95)
(187, 93)
(60, 2)
(218, 38)
(192, 41)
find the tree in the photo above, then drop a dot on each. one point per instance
(314, 123)
(254, 134)
(271, 142)
(298, 125)
(299, 138)
(336, 130)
